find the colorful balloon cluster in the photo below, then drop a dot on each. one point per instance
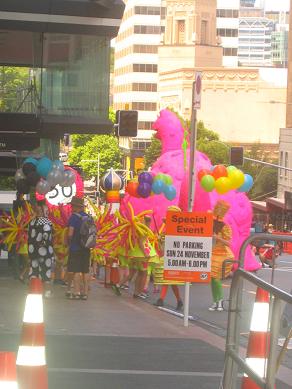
(223, 179)
(148, 185)
(43, 174)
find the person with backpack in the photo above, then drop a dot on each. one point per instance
(81, 238)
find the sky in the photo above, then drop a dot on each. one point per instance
(277, 5)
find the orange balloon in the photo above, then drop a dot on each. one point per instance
(132, 188)
(202, 173)
(219, 171)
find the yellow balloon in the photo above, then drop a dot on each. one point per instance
(237, 178)
(222, 185)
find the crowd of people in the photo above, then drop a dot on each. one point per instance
(142, 265)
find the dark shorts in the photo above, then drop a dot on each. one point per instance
(79, 261)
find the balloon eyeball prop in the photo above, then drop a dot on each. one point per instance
(223, 179)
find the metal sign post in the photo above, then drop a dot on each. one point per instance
(196, 104)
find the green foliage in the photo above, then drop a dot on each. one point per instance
(13, 81)
(206, 135)
(265, 177)
(104, 145)
(208, 142)
(7, 183)
(218, 153)
(153, 152)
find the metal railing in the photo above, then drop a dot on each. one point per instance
(232, 359)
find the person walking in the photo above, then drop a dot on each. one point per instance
(40, 247)
(221, 251)
(79, 256)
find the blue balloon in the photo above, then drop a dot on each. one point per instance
(30, 160)
(170, 192)
(44, 166)
(158, 187)
(247, 185)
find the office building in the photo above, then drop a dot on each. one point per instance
(227, 30)
(255, 48)
(135, 72)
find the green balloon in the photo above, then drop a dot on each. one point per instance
(208, 183)
(167, 179)
(231, 168)
(159, 176)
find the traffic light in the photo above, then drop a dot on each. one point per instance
(236, 156)
(127, 123)
(66, 139)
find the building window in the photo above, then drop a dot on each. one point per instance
(180, 39)
(147, 10)
(227, 13)
(146, 49)
(286, 163)
(142, 106)
(144, 87)
(147, 29)
(230, 52)
(229, 32)
(141, 68)
(204, 32)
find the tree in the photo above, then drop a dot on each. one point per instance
(106, 146)
(265, 177)
(153, 152)
(7, 183)
(208, 142)
(13, 82)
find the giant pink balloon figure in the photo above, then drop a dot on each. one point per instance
(171, 161)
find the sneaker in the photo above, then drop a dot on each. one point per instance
(116, 290)
(145, 294)
(213, 307)
(159, 303)
(220, 306)
(179, 306)
(142, 296)
(48, 294)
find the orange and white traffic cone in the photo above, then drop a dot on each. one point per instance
(8, 370)
(115, 277)
(114, 274)
(31, 359)
(259, 339)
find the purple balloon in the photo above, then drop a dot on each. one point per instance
(146, 178)
(144, 189)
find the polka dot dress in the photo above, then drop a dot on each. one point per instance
(40, 248)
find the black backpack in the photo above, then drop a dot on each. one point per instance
(88, 231)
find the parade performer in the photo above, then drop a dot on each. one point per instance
(40, 246)
(14, 227)
(159, 269)
(59, 217)
(135, 248)
(221, 251)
